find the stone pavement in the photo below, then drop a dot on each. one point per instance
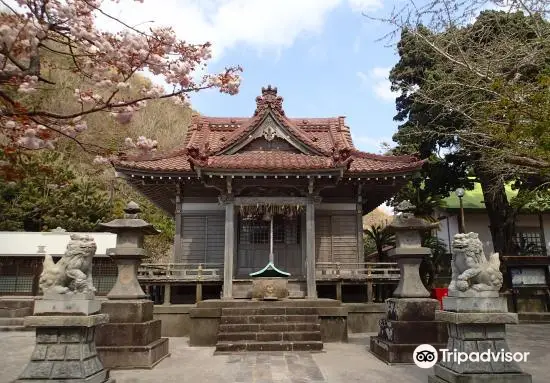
(341, 362)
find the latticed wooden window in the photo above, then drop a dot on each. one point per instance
(256, 231)
(530, 241)
(17, 276)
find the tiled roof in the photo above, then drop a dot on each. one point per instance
(328, 139)
(173, 162)
(374, 163)
(269, 161)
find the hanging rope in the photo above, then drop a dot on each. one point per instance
(260, 210)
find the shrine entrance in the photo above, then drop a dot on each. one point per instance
(253, 244)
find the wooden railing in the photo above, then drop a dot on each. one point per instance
(357, 271)
(214, 271)
(181, 272)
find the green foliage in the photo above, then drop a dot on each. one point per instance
(369, 246)
(379, 236)
(433, 263)
(48, 194)
(474, 101)
(157, 246)
(424, 200)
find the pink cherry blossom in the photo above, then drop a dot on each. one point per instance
(106, 61)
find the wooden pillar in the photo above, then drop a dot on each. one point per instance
(310, 249)
(339, 291)
(198, 292)
(360, 247)
(177, 237)
(229, 244)
(369, 292)
(167, 294)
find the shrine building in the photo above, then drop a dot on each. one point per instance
(267, 195)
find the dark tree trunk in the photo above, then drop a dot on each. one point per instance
(501, 215)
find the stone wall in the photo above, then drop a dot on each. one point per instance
(362, 317)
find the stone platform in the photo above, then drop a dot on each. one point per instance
(410, 322)
(207, 321)
(65, 350)
(132, 338)
(478, 324)
(12, 313)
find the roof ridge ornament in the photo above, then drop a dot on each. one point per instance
(269, 100)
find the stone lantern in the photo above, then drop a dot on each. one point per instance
(131, 231)
(131, 339)
(410, 313)
(408, 251)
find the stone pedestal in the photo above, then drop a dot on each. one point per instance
(477, 324)
(132, 338)
(410, 319)
(410, 322)
(65, 350)
(409, 260)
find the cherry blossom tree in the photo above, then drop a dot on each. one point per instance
(38, 37)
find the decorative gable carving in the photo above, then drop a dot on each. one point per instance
(269, 133)
(269, 100)
(276, 144)
(269, 130)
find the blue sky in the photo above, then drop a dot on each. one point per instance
(340, 69)
(322, 55)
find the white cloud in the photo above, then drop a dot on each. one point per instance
(377, 81)
(365, 5)
(372, 144)
(259, 25)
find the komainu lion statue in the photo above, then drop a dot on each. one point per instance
(471, 269)
(73, 272)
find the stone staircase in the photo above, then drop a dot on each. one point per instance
(13, 312)
(267, 327)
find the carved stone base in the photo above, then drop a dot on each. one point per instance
(410, 322)
(482, 332)
(475, 304)
(270, 288)
(63, 304)
(128, 357)
(444, 375)
(65, 352)
(395, 353)
(132, 338)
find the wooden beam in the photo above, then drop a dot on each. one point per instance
(240, 201)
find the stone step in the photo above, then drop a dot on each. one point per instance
(11, 321)
(294, 336)
(233, 311)
(269, 327)
(15, 312)
(15, 328)
(268, 346)
(258, 319)
(534, 317)
(237, 303)
(16, 303)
